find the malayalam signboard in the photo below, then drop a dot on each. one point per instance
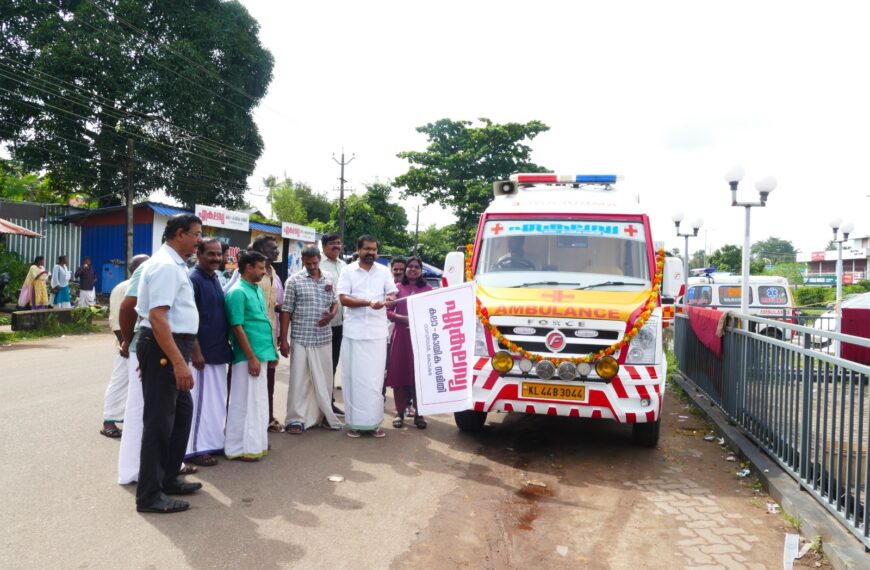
(442, 324)
(297, 232)
(221, 218)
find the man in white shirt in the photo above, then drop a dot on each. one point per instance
(365, 288)
(115, 399)
(170, 321)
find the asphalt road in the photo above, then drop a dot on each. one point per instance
(529, 491)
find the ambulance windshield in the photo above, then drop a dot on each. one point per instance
(608, 255)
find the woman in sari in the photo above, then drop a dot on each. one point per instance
(34, 291)
(400, 375)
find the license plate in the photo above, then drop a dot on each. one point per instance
(553, 392)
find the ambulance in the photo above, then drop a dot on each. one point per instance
(569, 318)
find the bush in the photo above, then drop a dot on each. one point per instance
(11, 263)
(813, 295)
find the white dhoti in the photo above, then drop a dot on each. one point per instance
(116, 392)
(131, 435)
(248, 414)
(209, 396)
(362, 380)
(309, 398)
(87, 298)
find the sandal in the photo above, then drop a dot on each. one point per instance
(379, 433)
(420, 422)
(204, 460)
(354, 433)
(398, 422)
(275, 427)
(295, 428)
(188, 469)
(110, 430)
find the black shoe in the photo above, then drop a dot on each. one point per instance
(182, 488)
(337, 411)
(164, 505)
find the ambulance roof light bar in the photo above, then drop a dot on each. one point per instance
(553, 178)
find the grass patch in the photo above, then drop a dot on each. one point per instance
(5, 319)
(795, 522)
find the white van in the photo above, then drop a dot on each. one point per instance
(769, 297)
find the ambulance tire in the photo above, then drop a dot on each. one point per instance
(646, 435)
(469, 421)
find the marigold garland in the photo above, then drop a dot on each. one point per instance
(648, 307)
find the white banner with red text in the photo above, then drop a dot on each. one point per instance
(297, 232)
(442, 324)
(221, 218)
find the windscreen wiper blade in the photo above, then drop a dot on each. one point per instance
(537, 283)
(609, 283)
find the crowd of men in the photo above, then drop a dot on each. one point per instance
(195, 374)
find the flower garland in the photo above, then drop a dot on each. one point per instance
(648, 307)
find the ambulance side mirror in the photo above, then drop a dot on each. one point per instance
(454, 268)
(672, 277)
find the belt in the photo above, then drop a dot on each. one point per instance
(179, 336)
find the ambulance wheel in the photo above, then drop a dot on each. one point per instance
(469, 420)
(647, 434)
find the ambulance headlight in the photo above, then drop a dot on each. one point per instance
(525, 365)
(567, 371)
(480, 348)
(607, 367)
(642, 348)
(545, 370)
(584, 369)
(502, 362)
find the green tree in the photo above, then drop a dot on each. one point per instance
(435, 243)
(773, 250)
(462, 161)
(16, 184)
(698, 259)
(317, 206)
(832, 246)
(789, 270)
(79, 79)
(283, 198)
(730, 258)
(375, 214)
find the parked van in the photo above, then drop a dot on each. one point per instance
(769, 297)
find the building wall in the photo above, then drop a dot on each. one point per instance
(60, 239)
(106, 243)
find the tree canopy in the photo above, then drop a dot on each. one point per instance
(774, 250)
(81, 78)
(462, 161)
(374, 213)
(730, 258)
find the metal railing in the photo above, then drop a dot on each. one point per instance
(806, 408)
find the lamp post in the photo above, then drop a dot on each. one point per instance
(764, 186)
(696, 225)
(838, 226)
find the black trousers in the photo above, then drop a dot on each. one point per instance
(166, 418)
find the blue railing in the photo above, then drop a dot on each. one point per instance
(807, 408)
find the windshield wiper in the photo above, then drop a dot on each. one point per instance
(536, 283)
(609, 283)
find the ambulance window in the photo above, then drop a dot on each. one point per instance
(700, 295)
(772, 295)
(730, 295)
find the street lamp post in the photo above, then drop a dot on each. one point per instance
(838, 226)
(696, 225)
(764, 186)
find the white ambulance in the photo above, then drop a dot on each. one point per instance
(569, 316)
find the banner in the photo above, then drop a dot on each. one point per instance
(297, 232)
(442, 324)
(220, 218)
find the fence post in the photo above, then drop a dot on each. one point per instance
(806, 425)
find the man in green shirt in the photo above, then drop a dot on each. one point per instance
(253, 347)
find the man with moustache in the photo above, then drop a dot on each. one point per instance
(167, 334)
(210, 357)
(332, 266)
(365, 288)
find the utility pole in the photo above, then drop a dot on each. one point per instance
(129, 221)
(417, 232)
(341, 210)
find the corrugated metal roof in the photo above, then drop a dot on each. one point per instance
(268, 228)
(165, 210)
